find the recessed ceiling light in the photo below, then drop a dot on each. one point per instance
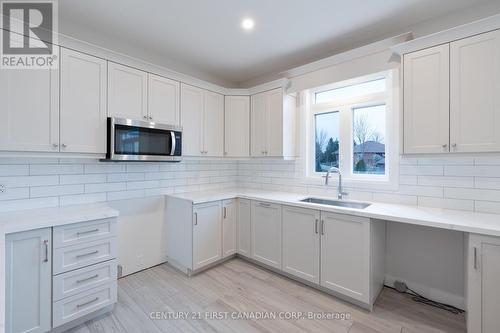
(247, 24)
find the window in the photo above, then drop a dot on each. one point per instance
(351, 128)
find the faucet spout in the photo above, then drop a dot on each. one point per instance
(340, 192)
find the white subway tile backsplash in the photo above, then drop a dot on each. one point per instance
(421, 170)
(105, 187)
(23, 181)
(55, 169)
(143, 184)
(82, 199)
(487, 207)
(82, 179)
(14, 170)
(446, 181)
(478, 170)
(125, 177)
(11, 205)
(105, 168)
(53, 191)
(487, 183)
(458, 204)
(472, 194)
(15, 193)
(122, 195)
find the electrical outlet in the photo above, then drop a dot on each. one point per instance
(3, 188)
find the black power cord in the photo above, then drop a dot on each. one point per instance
(401, 287)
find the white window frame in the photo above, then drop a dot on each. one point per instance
(345, 109)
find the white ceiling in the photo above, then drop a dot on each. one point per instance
(204, 36)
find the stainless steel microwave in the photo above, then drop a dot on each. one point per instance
(134, 140)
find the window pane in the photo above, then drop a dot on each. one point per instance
(357, 90)
(368, 131)
(327, 141)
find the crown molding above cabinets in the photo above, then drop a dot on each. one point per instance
(462, 31)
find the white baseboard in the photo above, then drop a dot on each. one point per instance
(429, 292)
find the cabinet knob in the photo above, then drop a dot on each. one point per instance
(145, 117)
(150, 118)
(454, 145)
(64, 145)
(445, 145)
(55, 145)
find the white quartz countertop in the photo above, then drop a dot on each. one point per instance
(480, 223)
(50, 217)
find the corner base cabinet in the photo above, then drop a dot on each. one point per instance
(483, 291)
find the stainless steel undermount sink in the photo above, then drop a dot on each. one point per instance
(337, 203)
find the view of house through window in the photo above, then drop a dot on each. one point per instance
(349, 127)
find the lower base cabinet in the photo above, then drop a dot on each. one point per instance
(28, 281)
(266, 233)
(244, 229)
(57, 276)
(483, 290)
(229, 222)
(301, 243)
(207, 234)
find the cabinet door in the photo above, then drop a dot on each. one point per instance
(207, 231)
(274, 144)
(426, 100)
(30, 110)
(237, 126)
(213, 124)
(475, 98)
(483, 292)
(28, 280)
(244, 228)
(345, 255)
(192, 103)
(258, 125)
(266, 233)
(127, 92)
(163, 100)
(83, 103)
(301, 243)
(229, 216)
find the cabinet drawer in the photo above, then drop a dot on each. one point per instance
(77, 256)
(74, 307)
(78, 233)
(71, 283)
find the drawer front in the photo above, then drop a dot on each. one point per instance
(78, 233)
(71, 283)
(77, 256)
(74, 307)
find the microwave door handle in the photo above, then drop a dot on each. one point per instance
(172, 135)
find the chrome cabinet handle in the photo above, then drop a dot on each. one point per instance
(89, 278)
(87, 254)
(87, 303)
(224, 212)
(80, 233)
(316, 226)
(475, 258)
(46, 245)
(195, 218)
(322, 227)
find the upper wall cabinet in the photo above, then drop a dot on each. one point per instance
(163, 100)
(127, 92)
(83, 103)
(202, 120)
(273, 124)
(426, 100)
(475, 93)
(30, 110)
(451, 100)
(237, 126)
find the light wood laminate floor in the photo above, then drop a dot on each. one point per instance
(236, 287)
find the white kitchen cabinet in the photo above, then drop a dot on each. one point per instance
(83, 103)
(237, 126)
(207, 232)
(30, 110)
(273, 125)
(266, 233)
(474, 94)
(127, 92)
(483, 291)
(163, 100)
(213, 124)
(202, 120)
(301, 240)
(244, 228)
(229, 222)
(345, 255)
(426, 100)
(28, 279)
